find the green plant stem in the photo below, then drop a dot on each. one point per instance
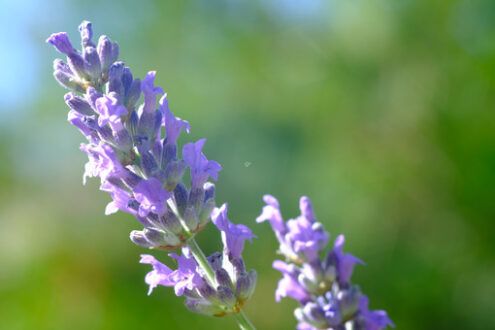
(243, 321)
(201, 260)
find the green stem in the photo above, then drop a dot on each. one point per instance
(243, 321)
(201, 260)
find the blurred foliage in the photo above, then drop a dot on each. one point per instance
(382, 112)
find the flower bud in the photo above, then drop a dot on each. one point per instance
(137, 237)
(58, 64)
(208, 293)
(133, 94)
(243, 286)
(146, 122)
(215, 261)
(223, 278)
(156, 151)
(105, 132)
(238, 266)
(126, 79)
(61, 42)
(92, 62)
(209, 189)
(132, 122)
(114, 78)
(105, 52)
(142, 143)
(349, 301)
(253, 276)
(86, 32)
(173, 173)
(314, 315)
(169, 152)
(196, 197)
(171, 223)
(78, 104)
(154, 236)
(181, 197)
(307, 283)
(115, 51)
(77, 65)
(226, 296)
(157, 124)
(91, 96)
(191, 218)
(124, 142)
(148, 164)
(203, 307)
(205, 213)
(330, 274)
(131, 179)
(68, 81)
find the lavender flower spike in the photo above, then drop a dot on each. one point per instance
(323, 289)
(141, 170)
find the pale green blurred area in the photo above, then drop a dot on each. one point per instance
(382, 112)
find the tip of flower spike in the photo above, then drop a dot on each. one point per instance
(61, 42)
(270, 200)
(306, 209)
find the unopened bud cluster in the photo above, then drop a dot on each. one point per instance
(322, 286)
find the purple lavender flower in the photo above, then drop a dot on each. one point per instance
(372, 320)
(186, 275)
(233, 236)
(121, 199)
(102, 163)
(151, 196)
(201, 167)
(110, 111)
(322, 287)
(289, 286)
(159, 275)
(300, 239)
(343, 262)
(173, 125)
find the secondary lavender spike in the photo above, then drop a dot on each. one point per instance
(327, 298)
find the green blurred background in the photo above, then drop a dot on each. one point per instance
(382, 112)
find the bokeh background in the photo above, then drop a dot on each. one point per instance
(382, 112)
